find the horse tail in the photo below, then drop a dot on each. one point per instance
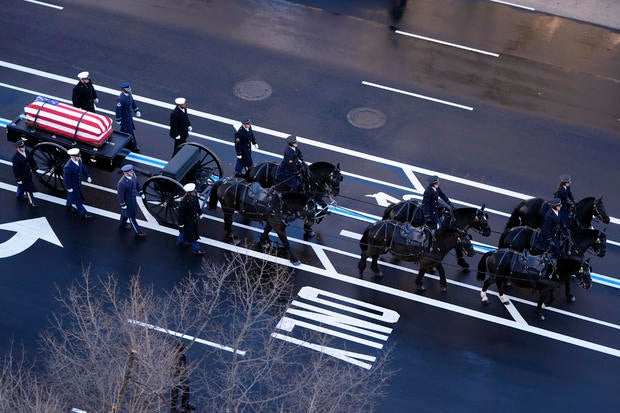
(213, 198)
(515, 217)
(482, 266)
(364, 240)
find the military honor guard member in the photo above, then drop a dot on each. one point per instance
(84, 94)
(128, 189)
(126, 107)
(23, 165)
(74, 172)
(180, 126)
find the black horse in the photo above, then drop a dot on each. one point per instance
(582, 240)
(410, 244)
(256, 203)
(530, 213)
(539, 272)
(461, 218)
(319, 180)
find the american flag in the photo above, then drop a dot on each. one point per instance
(55, 117)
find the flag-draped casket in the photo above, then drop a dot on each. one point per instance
(75, 123)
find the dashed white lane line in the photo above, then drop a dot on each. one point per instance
(40, 3)
(417, 95)
(514, 5)
(442, 42)
(187, 337)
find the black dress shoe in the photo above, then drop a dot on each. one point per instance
(71, 209)
(126, 226)
(140, 235)
(198, 252)
(87, 217)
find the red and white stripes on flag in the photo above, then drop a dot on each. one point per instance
(53, 116)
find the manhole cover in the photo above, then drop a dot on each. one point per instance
(252, 90)
(366, 118)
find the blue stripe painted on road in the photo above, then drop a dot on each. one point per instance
(136, 157)
(4, 122)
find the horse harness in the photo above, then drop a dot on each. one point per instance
(529, 264)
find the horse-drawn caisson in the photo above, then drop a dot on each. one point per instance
(51, 128)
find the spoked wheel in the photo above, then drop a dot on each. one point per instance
(50, 159)
(161, 197)
(206, 172)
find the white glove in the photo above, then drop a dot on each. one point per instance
(124, 207)
(178, 137)
(19, 182)
(118, 122)
(89, 180)
(189, 128)
(96, 100)
(239, 156)
(255, 146)
(70, 190)
(138, 114)
(181, 226)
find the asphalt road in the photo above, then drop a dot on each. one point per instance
(499, 128)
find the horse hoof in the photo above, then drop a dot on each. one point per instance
(504, 300)
(421, 289)
(444, 289)
(378, 274)
(483, 297)
(309, 234)
(540, 316)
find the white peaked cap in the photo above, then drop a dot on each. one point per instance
(190, 187)
(73, 151)
(83, 75)
(179, 101)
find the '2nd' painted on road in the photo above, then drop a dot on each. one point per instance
(363, 332)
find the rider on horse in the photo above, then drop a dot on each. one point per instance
(565, 195)
(552, 228)
(290, 170)
(431, 203)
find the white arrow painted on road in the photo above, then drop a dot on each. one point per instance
(27, 232)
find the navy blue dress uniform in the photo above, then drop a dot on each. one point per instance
(188, 218)
(430, 202)
(127, 189)
(84, 94)
(23, 165)
(126, 107)
(74, 172)
(565, 195)
(244, 139)
(289, 172)
(180, 126)
(552, 228)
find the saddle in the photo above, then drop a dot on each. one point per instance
(258, 193)
(415, 236)
(541, 266)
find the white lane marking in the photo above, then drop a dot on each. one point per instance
(416, 95)
(417, 185)
(514, 5)
(40, 3)
(149, 218)
(186, 337)
(320, 253)
(458, 46)
(354, 280)
(514, 313)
